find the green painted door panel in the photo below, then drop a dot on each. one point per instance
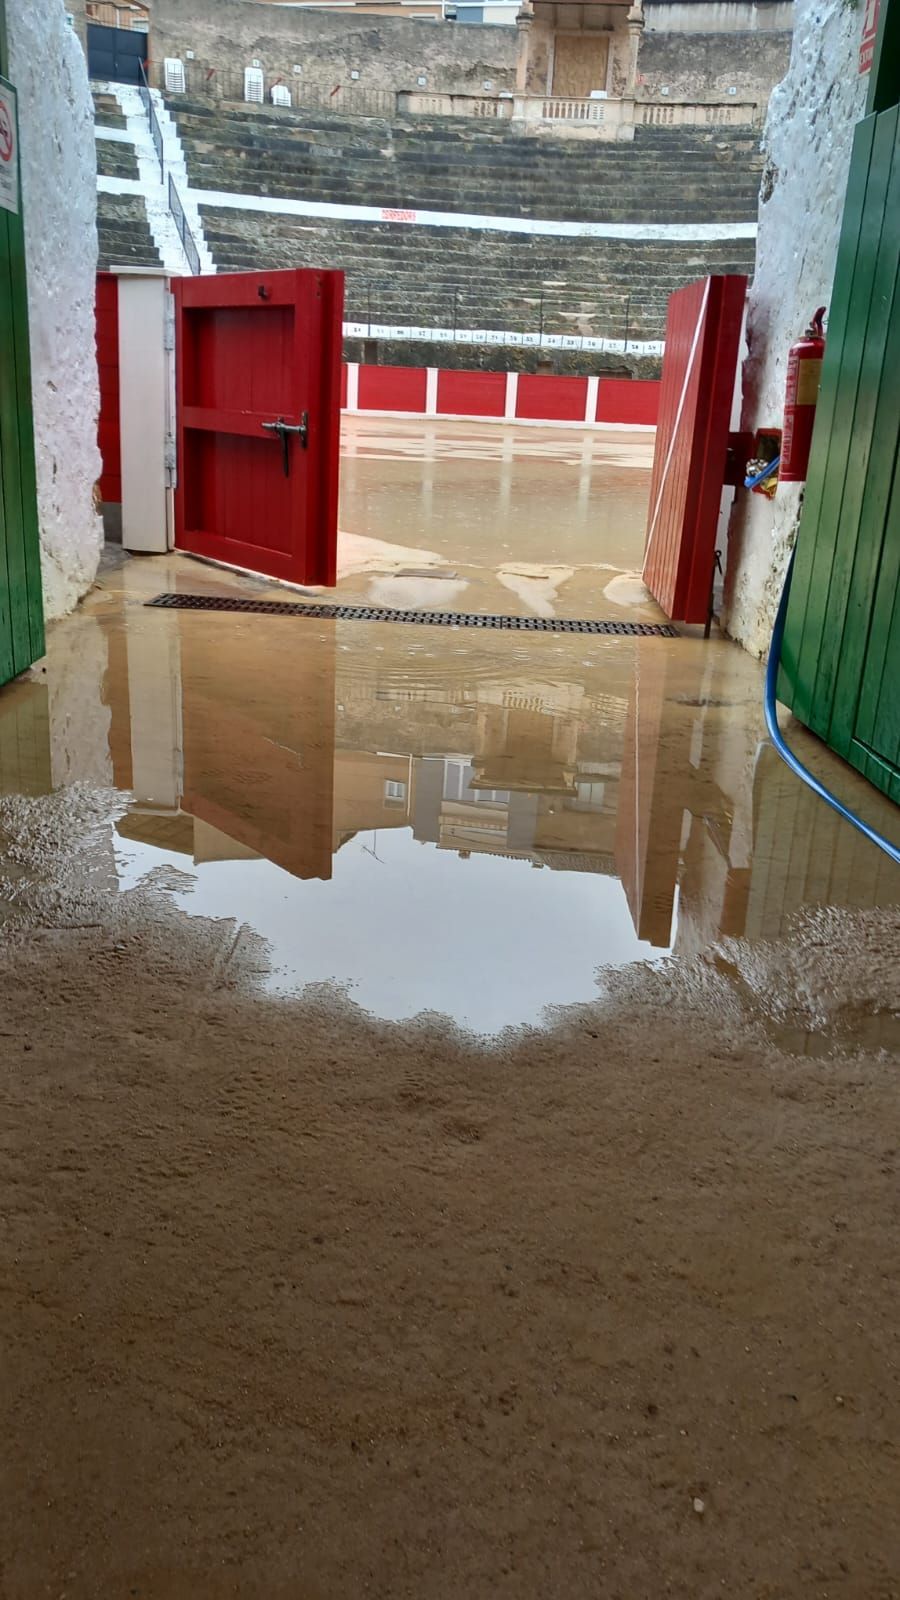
(873, 440)
(841, 661)
(877, 721)
(21, 606)
(818, 531)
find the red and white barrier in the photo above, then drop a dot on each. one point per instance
(527, 397)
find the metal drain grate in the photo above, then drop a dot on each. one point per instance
(437, 619)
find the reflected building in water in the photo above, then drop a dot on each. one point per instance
(624, 772)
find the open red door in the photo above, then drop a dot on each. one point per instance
(703, 335)
(258, 366)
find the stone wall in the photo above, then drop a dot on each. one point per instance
(807, 143)
(388, 53)
(706, 66)
(59, 192)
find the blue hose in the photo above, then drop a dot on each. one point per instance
(787, 754)
(768, 469)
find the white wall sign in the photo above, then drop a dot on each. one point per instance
(9, 148)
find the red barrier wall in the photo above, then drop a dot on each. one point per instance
(107, 312)
(392, 388)
(625, 400)
(540, 397)
(471, 394)
(544, 398)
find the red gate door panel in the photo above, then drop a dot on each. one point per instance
(258, 764)
(108, 438)
(703, 332)
(258, 373)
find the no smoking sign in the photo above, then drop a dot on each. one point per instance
(9, 155)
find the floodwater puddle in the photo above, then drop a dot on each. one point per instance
(453, 820)
(406, 926)
(441, 821)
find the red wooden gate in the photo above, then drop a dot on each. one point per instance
(703, 332)
(258, 379)
(107, 312)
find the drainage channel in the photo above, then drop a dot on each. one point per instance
(435, 619)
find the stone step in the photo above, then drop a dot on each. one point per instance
(116, 160)
(123, 232)
(107, 111)
(656, 183)
(461, 166)
(688, 211)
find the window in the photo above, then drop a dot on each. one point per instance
(394, 792)
(588, 796)
(456, 779)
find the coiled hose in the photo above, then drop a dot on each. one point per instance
(784, 750)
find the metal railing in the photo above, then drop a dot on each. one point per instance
(152, 118)
(569, 318)
(184, 228)
(203, 81)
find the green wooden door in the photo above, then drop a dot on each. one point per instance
(21, 607)
(841, 656)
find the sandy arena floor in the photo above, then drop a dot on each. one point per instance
(450, 1097)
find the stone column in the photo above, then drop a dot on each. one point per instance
(635, 21)
(524, 24)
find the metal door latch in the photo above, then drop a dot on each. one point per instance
(284, 430)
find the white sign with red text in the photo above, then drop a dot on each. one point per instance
(869, 35)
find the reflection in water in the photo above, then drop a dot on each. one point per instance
(25, 740)
(475, 832)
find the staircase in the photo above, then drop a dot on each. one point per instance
(667, 175)
(124, 233)
(471, 277)
(135, 221)
(465, 278)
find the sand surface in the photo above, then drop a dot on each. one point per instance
(300, 1304)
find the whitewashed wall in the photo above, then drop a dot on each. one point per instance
(726, 16)
(59, 185)
(807, 140)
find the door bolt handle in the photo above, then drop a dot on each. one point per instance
(284, 430)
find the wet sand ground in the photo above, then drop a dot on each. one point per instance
(300, 1303)
(474, 1271)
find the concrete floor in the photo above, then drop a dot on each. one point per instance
(449, 1134)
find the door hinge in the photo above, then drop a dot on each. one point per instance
(169, 321)
(170, 461)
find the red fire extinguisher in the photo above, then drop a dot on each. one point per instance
(801, 393)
